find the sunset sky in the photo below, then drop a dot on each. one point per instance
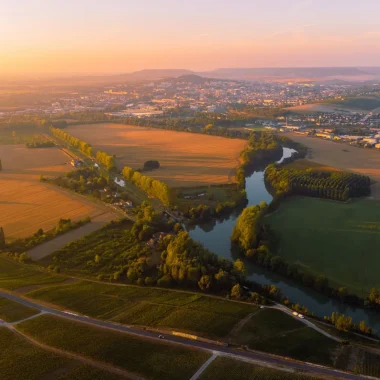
(113, 36)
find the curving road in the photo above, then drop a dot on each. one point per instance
(219, 350)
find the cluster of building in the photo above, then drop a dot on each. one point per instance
(153, 241)
(190, 92)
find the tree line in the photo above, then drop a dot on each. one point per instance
(107, 160)
(317, 183)
(79, 144)
(254, 239)
(35, 143)
(344, 323)
(153, 187)
(41, 236)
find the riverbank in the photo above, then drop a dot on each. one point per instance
(215, 236)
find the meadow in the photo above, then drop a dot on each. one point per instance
(27, 204)
(186, 159)
(330, 238)
(223, 368)
(20, 358)
(343, 156)
(12, 311)
(146, 357)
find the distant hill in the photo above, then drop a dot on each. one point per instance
(283, 73)
(190, 78)
(320, 74)
(158, 74)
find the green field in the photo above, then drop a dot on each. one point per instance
(166, 309)
(15, 276)
(153, 360)
(278, 333)
(223, 368)
(364, 103)
(21, 360)
(12, 311)
(334, 239)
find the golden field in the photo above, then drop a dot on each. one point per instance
(27, 204)
(186, 159)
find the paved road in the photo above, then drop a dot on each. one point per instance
(305, 321)
(220, 350)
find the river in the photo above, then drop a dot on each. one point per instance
(215, 236)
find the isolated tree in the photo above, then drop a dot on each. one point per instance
(1, 166)
(236, 291)
(2, 237)
(239, 267)
(204, 283)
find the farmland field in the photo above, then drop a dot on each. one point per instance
(12, 311)
(146, 357)
(343, 156)
(278, 333)
(319, 235)
(223, 368)
(27, 204)
(186, 159)
(14, 276)
(165, 309)
(19, 358)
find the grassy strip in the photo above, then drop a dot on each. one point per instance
(14, 276)
(12, 311)
(278, 333)
(194, 313)
(223, 368)
(150, 359)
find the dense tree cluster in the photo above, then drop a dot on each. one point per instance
(374, 298)
(79, 144)
(316, 183)
(86, 180)
(151, 164)
(204, 213)
(107, 160)
(262, 146)
(248, 226)
(186, 262)
(151, 186)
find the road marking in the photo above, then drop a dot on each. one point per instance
(204, 366)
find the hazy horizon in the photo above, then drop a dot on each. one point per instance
(54, 38)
